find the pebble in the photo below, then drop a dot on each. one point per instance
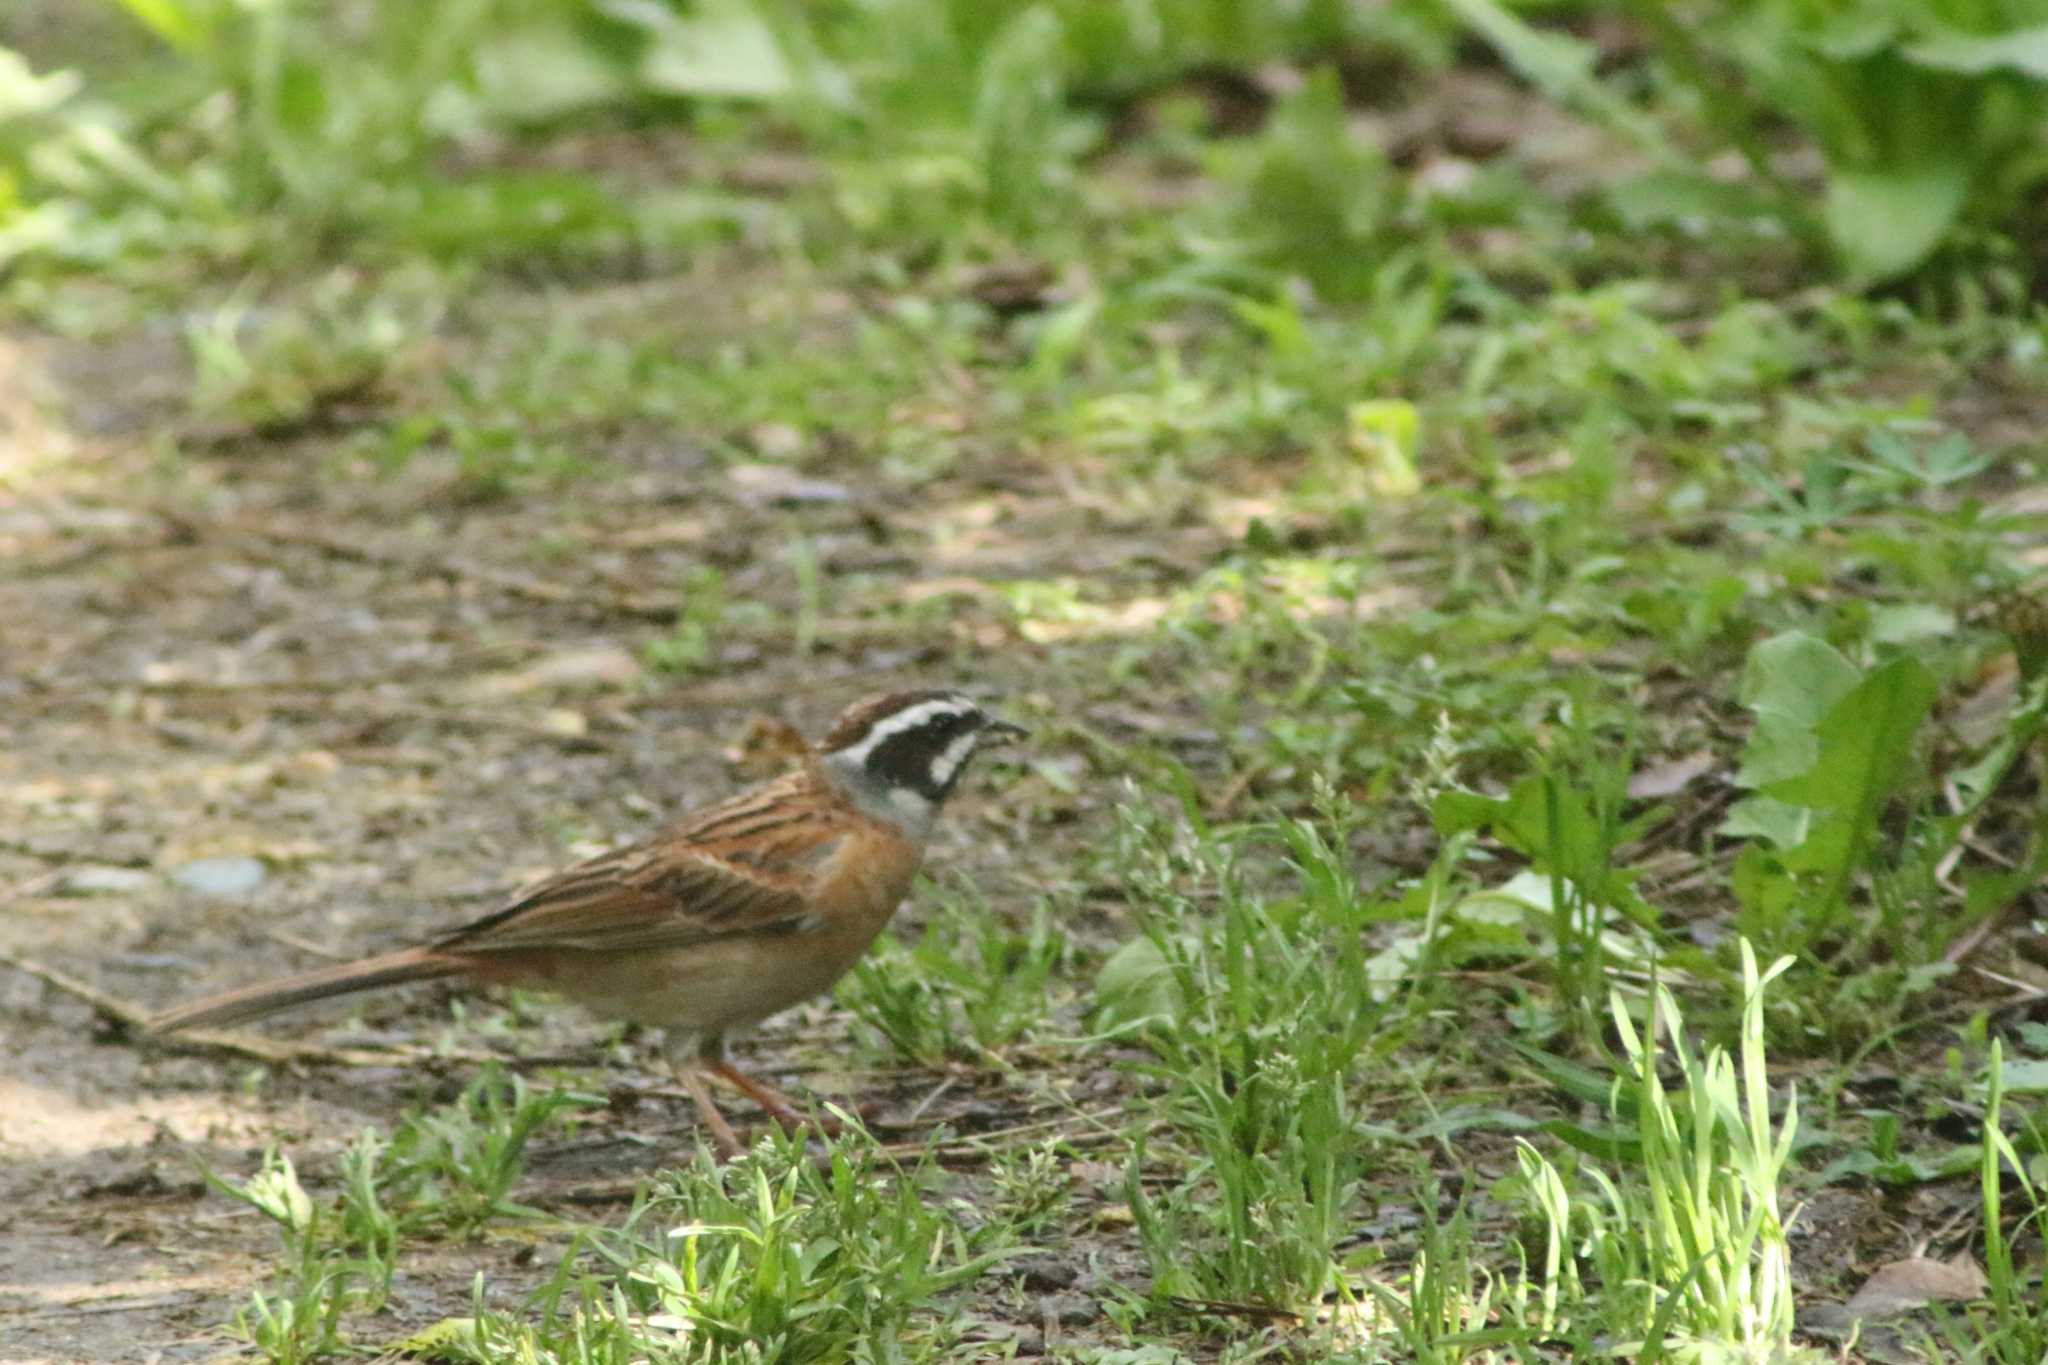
(105, 881)
(224, 877)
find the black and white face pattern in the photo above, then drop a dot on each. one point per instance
(901, 755)
(922, 747)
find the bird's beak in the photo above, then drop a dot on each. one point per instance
(1002, 732)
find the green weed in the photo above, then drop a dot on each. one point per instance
(2011, 1328)
(1923, 115)
(323, 1280)
(1257, 1093)
(1690, 1246)
(458, 1165)
(770, 1258)
(967, 990)
(692, 641)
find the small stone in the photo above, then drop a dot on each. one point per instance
(1044, 1276)
(560, 720)
(1069, 1310)
(765, 484)
(1114, 1216)
(776, 441)
(223, 877)
(105, 881)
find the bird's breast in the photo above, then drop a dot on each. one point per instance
(863, 881)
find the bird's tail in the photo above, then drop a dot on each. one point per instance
(252, 1002)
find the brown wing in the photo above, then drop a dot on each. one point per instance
(650, 897)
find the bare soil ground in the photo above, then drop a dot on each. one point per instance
(389, 699)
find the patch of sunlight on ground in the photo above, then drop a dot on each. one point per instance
(32, 441)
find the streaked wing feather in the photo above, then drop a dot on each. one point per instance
(638, 900)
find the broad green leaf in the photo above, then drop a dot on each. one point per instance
(1558, 64)
(1384, 433)
(1796, 675)
(1902, 1168)
(1614, 1144)
(719, 48)
(1885, 220)
(1456, 811)
(1136, 986)
(1661, 197)
(1581, 1082)
(1973, 54)
(1459, 1118)
(1316, 195)
(23, 92)
(534, 72)
(1833, 841)
(1853, 36)
(1908, 621)
(1562, 67)
(178, 22)
(1782, 824)
(1764, 886)
(450, 1339)
(1790, 682)
(301, 100)
(2026, 1074)
(1865, 740)
(1578, 846)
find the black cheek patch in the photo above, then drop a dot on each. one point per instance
(906, 761)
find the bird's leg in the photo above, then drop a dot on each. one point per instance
(687, 1071)
(712, 1059)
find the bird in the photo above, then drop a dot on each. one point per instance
(733, 913)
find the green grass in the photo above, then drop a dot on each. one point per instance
(1500, 599)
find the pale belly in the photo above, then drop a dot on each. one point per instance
(708, 987)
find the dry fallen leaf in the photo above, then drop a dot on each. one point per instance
(761, 484)
(768, 746)
(603, 666)
(1670, 777)
(1901, 1286)
(560, 720)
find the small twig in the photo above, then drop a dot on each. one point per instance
(221, 1040)
(113, 1303)
(306, 945)
(1234, 790)
(985, 1145)
(982, 1146)
(240, 687)
(119, 1011)
(31, 886)
(67, 856)
(1967, 837)
(371, 712)
(2030, 991)
(1983, 929)
(597, 1192)
(929, 1100)
(1979, 931)
(368, 712)
(1221, 1309)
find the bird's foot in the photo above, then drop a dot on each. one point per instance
(777, 1105)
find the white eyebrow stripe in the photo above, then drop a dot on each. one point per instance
(909, 718)
(947, 765)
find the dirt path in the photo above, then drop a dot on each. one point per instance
(383, 705)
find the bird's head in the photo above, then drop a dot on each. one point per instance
(899, 756)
